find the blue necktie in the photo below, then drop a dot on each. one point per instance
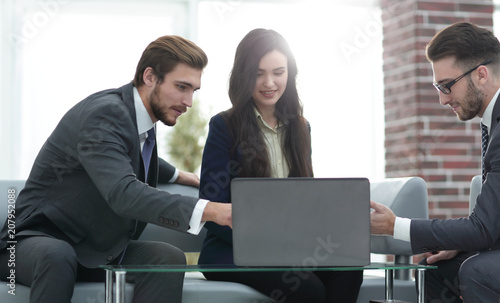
(484, 146)
(147, 150)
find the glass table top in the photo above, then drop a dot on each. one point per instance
(233, 268)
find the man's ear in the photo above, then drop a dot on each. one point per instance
(149, 77)
(483, 74)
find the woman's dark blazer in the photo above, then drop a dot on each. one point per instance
(219, 167)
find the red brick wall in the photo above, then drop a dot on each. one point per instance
(423, 138)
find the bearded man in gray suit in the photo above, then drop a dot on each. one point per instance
(465, 60)
(91, 190)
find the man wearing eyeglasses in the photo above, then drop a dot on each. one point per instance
(465, 60)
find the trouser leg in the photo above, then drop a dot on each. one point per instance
(47, 265)
(155, 287)
(442, 284)
(480, 278)
(283, 287)
(341, 286)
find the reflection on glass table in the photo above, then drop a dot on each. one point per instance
(120, 272)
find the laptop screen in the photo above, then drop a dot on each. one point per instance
(301, 221)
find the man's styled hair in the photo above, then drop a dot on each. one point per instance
(163, 54)
(468, 43)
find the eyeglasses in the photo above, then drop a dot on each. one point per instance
(446, 88)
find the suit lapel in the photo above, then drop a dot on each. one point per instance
(128, 99)
(495, 116)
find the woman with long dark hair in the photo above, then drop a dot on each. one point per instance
(263, 134)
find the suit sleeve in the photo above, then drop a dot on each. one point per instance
(217, 170)
(479, 231)
(166, 171)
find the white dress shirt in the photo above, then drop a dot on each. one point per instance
(144, 123)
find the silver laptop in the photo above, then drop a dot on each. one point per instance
(307, 222)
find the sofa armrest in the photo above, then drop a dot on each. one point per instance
(10, 191)
(406, 197)
(475, 189)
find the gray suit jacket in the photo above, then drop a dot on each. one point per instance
(481, 230)
(85, 186)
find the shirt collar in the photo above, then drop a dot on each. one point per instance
(144, 122)
(264, 123)
(486, 120)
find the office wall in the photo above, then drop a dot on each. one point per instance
(424, 138)
(56, 52)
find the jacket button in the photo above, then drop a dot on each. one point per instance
(161, 219)
(110, 258)
(176, 224)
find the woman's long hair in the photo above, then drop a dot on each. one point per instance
(247, 136)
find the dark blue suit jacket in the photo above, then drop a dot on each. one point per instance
(86, 185)
(219, 167)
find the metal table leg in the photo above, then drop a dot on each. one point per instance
(421, 285)
(109, 286)
(389, 285)
(120, 286)
(389, 289)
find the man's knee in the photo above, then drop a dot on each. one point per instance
(42, 259)
(468, 270)
(56, 256)
(170, 254)
(151, 252)
(473, 271)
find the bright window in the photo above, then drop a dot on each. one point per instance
(55, 53)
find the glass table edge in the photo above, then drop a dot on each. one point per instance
(232, 268)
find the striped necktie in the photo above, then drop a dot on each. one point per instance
(484, 146)
(147, 150)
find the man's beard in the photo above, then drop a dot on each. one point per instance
(158, 111)
(472, 102)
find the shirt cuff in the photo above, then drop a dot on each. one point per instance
(402, 229)
(175, 176)
(195, 224)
